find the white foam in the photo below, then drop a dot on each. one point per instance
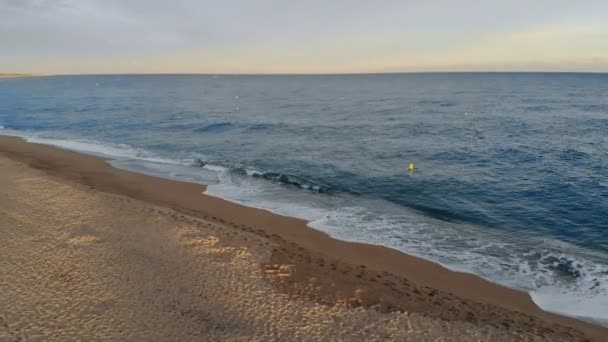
(554, 299)
(101, 149)
(261, 194)
(216, 168)
(119, 154)
(166, 170)
(90, 147)
(252, 172)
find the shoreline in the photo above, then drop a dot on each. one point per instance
(345, 267)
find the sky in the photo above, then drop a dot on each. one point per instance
(283, 36)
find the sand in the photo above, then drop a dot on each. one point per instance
(88, 252)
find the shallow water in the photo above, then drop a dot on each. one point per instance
(510, 177)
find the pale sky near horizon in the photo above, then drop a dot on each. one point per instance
(280, 36)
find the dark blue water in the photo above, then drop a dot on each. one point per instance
(510, 180)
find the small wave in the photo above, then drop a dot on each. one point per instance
(260, 127)
(287, 179)
(436, 103)
(515, 155)
(199, 163)
(215, 128)
(265, 126)
(596, 123)
(563, 266)
(225, 126)
(595, 108)
(572, 155)
(538, 108)
(282, 178)
(202, 163)
(447, 215)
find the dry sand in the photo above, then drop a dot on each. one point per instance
(88, 252)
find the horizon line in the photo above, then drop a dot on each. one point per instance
(303, 74)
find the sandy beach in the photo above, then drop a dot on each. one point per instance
(90, 252)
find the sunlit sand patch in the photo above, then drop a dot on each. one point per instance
(205, 244)
(243, 253)
(193, 237)
(280, 271)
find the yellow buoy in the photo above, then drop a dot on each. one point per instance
(411, 167)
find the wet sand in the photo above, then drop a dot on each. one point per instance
(88, 251)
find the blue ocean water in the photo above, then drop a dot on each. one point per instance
(510, 179)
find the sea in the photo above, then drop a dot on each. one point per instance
(510, 178)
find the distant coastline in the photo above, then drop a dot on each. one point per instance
(287, 74)
(16, 74)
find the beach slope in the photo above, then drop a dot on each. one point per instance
(91, 252)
